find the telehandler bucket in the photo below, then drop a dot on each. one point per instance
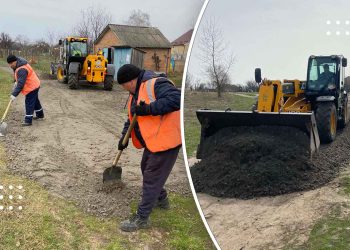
(214, 120)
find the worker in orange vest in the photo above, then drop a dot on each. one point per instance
(156, 102)
(27, 83)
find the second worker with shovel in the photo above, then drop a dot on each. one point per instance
(27, 83)
(156, 102)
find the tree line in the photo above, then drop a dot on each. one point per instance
(92, 21)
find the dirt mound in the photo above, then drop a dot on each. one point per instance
(248, 162)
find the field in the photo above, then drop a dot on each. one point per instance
(196, 100)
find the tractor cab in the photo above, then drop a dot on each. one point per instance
(73, 49)
(76, 64)
(325, 75)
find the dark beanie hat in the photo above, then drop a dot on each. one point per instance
(127, 73)
(11, 58)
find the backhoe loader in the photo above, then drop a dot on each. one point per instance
(316, 106)
(76, 64)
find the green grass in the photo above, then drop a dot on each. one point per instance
(176, 78)
(196, 100)
(330, 232)
(50, 222)
(41, 63)
(333, 230)
(184, 227)
(6, 84)
(3, 62)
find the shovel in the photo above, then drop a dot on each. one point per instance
(3, 125)
(114, 173)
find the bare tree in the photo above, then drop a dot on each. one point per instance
(22, 42)
(6, 41)
(138, 18)
(93, 20)
(251, 86)
(215, 55)
(189, 81)
(52, 37)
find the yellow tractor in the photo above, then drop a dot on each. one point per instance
(76, 64)
(317, 106)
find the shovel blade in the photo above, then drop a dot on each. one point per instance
(111, 174)
(3, 129)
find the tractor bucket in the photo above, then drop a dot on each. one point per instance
(214, 120)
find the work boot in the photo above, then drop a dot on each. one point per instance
(163, 204)
(135, 222)
(25, 124)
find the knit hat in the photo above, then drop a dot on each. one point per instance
(127, 73)
(11, 58)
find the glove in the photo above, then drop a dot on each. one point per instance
(120, 144)
(142, 109)
(12, 97)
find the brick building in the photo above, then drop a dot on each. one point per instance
(145, 47)
(179, 51)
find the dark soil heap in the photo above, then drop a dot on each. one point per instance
(248, 162)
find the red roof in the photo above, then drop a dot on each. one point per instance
(185, 38)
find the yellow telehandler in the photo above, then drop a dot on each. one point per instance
(317, 106)
(76, 64)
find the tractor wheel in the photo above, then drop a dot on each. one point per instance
(108, 83)
(60, 75)
(73, 80)
(345, 118)
(326, 118)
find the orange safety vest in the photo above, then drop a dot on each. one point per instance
(32, 81)
(161, 132)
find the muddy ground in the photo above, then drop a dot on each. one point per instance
(281, 221)
(68, 151)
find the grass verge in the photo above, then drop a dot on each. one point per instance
(50, 222)
(176, 78)
(333, 230)
(196, 100)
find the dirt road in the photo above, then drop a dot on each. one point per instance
(68, 151)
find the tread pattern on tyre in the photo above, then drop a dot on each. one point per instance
(73, 81)
(323, 119)
(108, 83)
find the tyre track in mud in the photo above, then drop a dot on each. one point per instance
(68, 151)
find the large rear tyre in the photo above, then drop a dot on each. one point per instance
(108, 83)
(345, 118)
(73, 80)
(326, 118)
(60, 75)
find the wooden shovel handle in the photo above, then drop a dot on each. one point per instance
(6, 111)
(126, 138)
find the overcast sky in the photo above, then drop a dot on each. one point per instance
(33, 18)
(277, 36)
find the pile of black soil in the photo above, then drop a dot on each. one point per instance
(248, 162)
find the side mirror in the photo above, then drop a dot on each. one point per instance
(258, 75)
(344, 62)
(60, 42)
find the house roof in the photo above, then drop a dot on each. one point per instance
(137, 36)
(184, 39)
